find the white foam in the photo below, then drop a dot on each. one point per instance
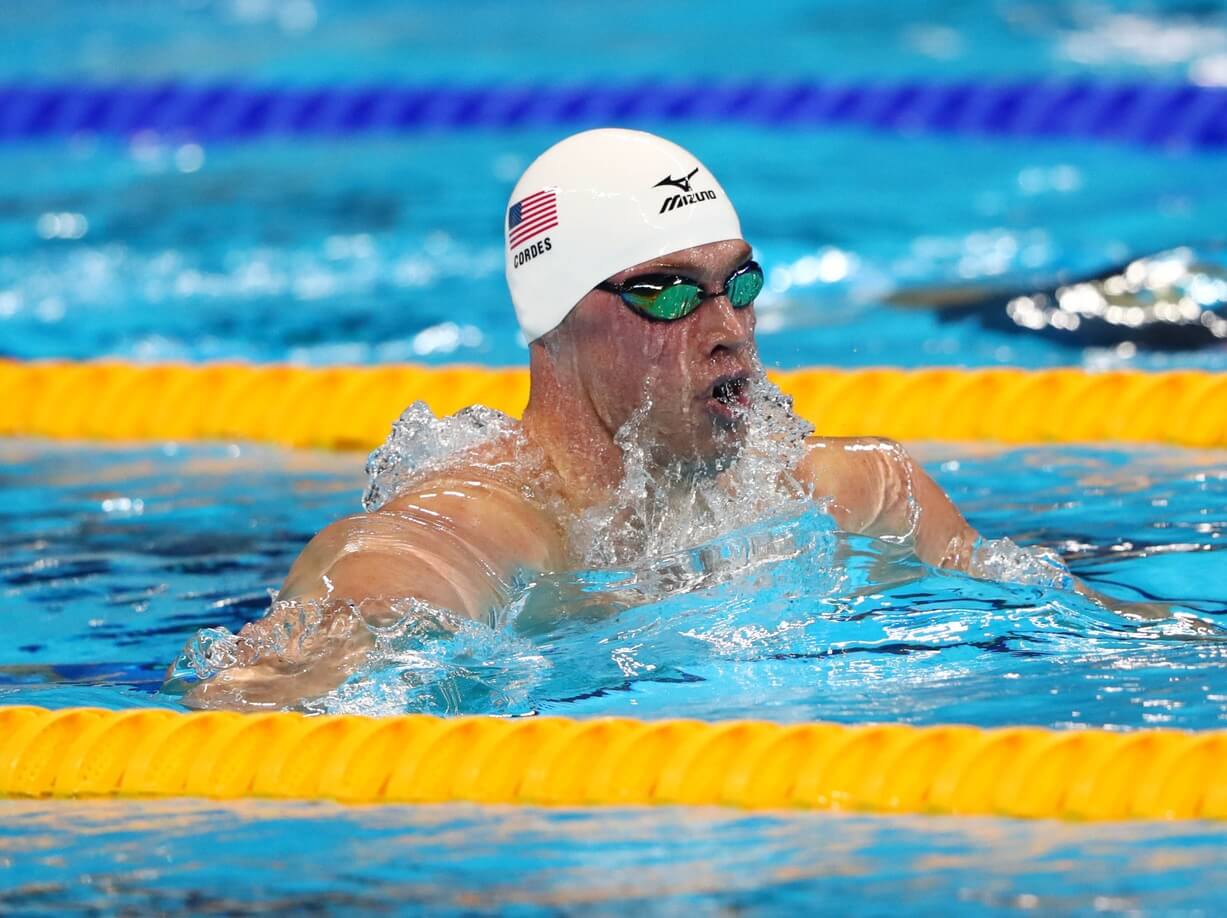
(420, 442)
(656, 511)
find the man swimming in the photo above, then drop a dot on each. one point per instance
(636, 293)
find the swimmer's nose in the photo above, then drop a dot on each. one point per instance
(724, 328)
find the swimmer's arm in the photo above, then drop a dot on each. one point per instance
(878, 489)
(874, 487)
(454, 550)
(318, 630)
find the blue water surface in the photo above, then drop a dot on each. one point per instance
(313, 41)
(180, 857)
(115, 556)
(372, 249)
(384, 249)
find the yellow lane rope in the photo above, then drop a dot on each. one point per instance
(353, 407)
(1017, 771)
(949, 769)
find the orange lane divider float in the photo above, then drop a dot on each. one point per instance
(1017, 771)
(353, 407)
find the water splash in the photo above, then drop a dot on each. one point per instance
(657, 510)
(1003, 560)
(428, 660)
(725, 596)
(420, 442)
(787, 619)
(288, 627)
(432, 662)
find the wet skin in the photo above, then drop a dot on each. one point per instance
(457, 538)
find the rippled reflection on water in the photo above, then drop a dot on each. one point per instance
(112, 557)
(387, 250)
(178, 856)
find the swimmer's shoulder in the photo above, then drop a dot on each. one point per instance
(498, 509)
(491, 506)
(838, 456)
(500, 496)
(855, 476)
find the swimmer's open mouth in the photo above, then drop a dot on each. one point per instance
(730, 392)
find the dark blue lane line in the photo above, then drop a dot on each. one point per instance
(1173, 117)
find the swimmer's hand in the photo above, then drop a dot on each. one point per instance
(1148, 611)
(287, 657)
(1151, 611)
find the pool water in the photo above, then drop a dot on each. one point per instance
(301, 41)
(381, 250)
(176, 857)
(115, 556)
(387, 249)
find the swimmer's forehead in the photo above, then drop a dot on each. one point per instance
(717, 258)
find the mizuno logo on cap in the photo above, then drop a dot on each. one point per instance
(681, 200)
(682, 183)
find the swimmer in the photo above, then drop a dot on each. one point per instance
(632, 282)
(1172, 300)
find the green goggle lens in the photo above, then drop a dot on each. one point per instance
(676, 301)
(675, 298)
(744, 288)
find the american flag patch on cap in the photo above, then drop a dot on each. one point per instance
(531, 216)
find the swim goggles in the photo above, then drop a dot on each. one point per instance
(666, 297)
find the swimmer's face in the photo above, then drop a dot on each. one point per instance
(691, 370)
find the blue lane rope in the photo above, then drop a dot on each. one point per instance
(1169, 116)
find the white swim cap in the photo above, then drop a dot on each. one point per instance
(597, 203)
